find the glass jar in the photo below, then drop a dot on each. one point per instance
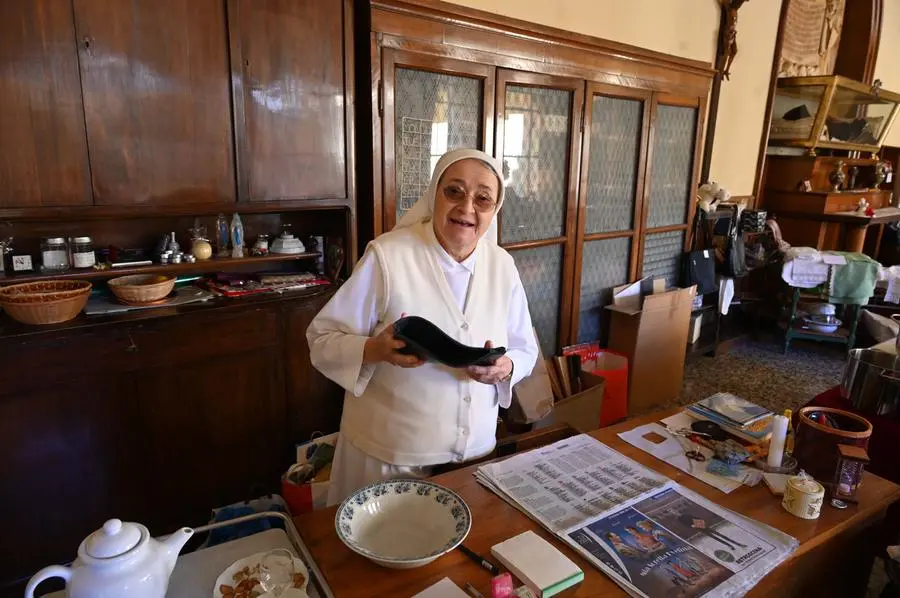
(54, 254)
(83, 253)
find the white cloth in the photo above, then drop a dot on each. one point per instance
(803, 268)
(357, 469)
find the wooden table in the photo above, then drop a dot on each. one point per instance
(834, 558)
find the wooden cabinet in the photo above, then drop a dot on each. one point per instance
(599, 142)
(43, 156)
(291, 98)
(68, 456)
(304, 381)
(157, 421)
(155, 78)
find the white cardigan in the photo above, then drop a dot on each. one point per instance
(432, 414)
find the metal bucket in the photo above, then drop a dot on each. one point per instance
(871, 381)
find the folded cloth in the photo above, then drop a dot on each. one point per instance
(804, 274)
(892, 276)
(854, 283)
(806, 254)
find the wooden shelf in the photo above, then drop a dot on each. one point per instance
(211, 265)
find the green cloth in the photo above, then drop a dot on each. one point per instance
(853, 283)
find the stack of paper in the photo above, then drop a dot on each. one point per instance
(737, 416)
(652, 536)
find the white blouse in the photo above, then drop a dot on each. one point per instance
(356, 308)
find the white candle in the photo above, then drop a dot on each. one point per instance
(776, 444)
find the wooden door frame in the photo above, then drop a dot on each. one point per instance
(686, 101)
(582, 237)
(384, 152)
(576, 87)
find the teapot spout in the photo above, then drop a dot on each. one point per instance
(173, 545)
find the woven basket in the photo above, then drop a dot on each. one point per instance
(47, 302)
(142, 288)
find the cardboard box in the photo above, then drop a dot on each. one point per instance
(651, 329)
(581, 410)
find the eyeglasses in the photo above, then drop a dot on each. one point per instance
(456, 194)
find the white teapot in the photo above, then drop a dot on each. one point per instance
(119, 559)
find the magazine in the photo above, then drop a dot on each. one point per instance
(732, 408)
(650, 535)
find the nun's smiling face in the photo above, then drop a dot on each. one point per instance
(464, 206)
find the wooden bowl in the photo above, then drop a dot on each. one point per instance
(142, 288)
(815, 444)
(46, 302)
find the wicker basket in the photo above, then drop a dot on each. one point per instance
(142, 288)
(47, 302)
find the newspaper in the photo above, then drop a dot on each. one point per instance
(652, 536)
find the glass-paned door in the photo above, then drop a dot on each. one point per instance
(668, 205)
(614, 147)
(538, 142)
(431, 105)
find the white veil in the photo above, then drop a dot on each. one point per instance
(423, 209)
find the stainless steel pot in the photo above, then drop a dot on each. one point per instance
(871, 382)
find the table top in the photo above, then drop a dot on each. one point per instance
(493, 521)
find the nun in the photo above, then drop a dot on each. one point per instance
(402, 416)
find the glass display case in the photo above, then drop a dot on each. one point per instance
(831, 112)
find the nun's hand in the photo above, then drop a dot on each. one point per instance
(491, 374)
(383, 348)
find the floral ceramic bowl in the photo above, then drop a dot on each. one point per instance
(403, 524)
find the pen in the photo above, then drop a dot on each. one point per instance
(470, 589)
(480, 560)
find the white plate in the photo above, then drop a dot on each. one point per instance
(227, 577)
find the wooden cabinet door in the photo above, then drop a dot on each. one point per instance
(431, 105)
(613, 166)
(155, 76)
(676, 128)
(68, 462)
(291, 73)
(215, 432)
(43, 155)
(538, 139)
(314, 403)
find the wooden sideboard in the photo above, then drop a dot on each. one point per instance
(154, 416)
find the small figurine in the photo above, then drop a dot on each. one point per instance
(862, 206)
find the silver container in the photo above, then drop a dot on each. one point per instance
(871, 381)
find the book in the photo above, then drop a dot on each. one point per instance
(540, 566)
(733, 408)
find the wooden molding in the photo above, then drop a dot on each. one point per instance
(860, 38)
(488, 22)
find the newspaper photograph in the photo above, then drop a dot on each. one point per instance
(654, 561)
(676, 544)
(733, 546)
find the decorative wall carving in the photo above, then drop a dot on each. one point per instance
(812, 30)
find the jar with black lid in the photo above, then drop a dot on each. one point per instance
(83, 253)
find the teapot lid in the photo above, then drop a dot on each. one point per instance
(113, 539)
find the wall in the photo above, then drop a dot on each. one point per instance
(686, 28)
(886, 66)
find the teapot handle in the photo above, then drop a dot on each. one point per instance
(47, 573)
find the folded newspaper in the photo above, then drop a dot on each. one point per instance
(652, 536)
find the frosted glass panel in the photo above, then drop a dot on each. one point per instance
(662, 255)
(435, 113)
(671, 165)
(613, 164)
(536, 157)
(540, 269)
(604, 265)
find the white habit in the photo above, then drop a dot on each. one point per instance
(400, 422)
